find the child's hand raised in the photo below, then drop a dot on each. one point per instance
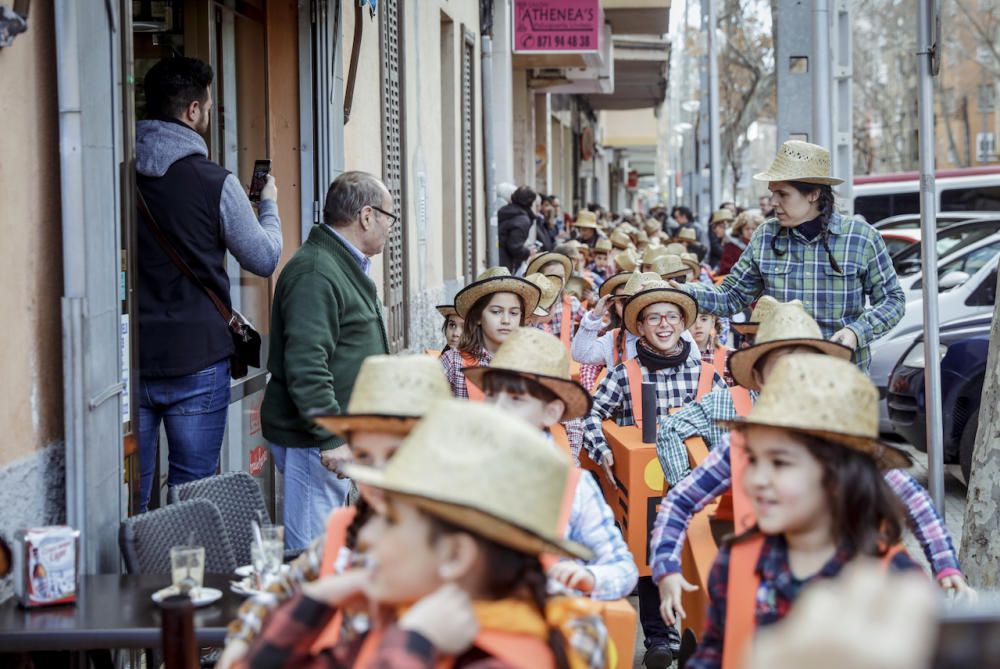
(445, 618)
(573, 575)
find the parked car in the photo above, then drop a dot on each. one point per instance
(877, 196)
(964, 349)
(974, 296)
(897, 240)
(954, 269)
(944, 219)
(951, 239)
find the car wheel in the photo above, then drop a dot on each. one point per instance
(968, 444)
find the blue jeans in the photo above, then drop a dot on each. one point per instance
(193, 409)
(311, 492)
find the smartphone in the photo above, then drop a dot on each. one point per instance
(261, 168)
(968, 639)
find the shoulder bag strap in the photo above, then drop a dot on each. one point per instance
(176, 259)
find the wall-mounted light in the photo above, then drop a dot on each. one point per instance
(13, 22)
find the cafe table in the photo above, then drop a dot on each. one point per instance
(111, 611)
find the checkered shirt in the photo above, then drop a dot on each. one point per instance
(675, 387)
(453, 365)
(835, 299)
(714, 477)
(554, 326)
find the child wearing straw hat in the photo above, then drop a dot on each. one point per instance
(837, 266)
(567, 311)
(738, 238)
(530, 379)
(814, 479)
(784, 329)
(550, 288)
(704, 332)
(391, 393)
(492, 306)
(586, 229)
(452, 328)
(466, 507)
(600, 266)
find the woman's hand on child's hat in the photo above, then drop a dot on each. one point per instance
(445, 618)
(573, 575)
(671, 588)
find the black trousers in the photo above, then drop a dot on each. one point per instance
(654, 630)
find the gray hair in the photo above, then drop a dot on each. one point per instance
(349, 194)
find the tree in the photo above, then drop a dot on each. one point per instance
(981, 533)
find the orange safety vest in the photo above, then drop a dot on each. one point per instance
(475, 394)
(741, 597)
(719, 360)
(634, 372)
(619, 351)
(743, 516)
(566, 322)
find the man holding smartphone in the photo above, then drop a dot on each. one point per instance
(202, 211)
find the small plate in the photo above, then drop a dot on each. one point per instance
(200, 597)
(244, 587)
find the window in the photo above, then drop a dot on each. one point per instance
(980, 198)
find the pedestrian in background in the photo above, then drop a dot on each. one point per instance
(201, 210)
(325, 320)
(517, 232)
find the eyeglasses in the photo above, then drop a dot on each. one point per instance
(656, 319)
(393, 218)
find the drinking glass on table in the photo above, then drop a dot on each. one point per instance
(267, 562)
(187, 567)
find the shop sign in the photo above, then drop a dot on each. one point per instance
(258, 458)
(633, 179)
(557, 26)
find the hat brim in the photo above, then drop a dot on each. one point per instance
(343, 424)
(475, 520)
(576, 398)
(823, 181)
(885, 455)
(742, 361)
(527, 291)
(744, 328)
(693, 266)
(612, 282)
(679, 274)
(591, 225)
(446, 310)
(688, 306)
(544, 259)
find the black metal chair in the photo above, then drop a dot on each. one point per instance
(240, 501)
(145, 540)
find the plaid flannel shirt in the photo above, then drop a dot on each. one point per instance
(803, 272)
(675, 387)
(592, 524)
(453, 365)
(554, 325)
(714, 477)
(294, 627)
(778, 590)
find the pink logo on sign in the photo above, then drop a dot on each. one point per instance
(557, 25)
(258, 458)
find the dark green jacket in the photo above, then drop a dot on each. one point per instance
(326, 319)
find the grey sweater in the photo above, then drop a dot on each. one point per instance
(256, 245)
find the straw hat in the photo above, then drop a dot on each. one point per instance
(786, 325)
(497, 280)
(603, 245)
(543, 259)
(686, 236)
(652, 253)
(636, 282)
(620, 239)
(585, 219)
(641, 237)
(541, 357)
(577, 286)
(446, 310)
(676, 249)
(668, 267)
(613, 282)
(627, 260)
(721, 216)
(765, 305)
(654, 293)
(827, 398)
(800, 161)
(549, 287)
(652, 226)
(474, 466)
(391, 393)
(691, 260)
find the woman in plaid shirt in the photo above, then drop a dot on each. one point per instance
(837, 266)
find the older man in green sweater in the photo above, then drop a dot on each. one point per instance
(325, 321)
